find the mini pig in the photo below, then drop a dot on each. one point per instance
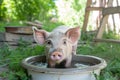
(60, 44)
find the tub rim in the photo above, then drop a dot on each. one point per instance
(30, 67)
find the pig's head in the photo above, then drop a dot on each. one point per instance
(58, 45)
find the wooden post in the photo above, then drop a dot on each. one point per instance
(87, 12)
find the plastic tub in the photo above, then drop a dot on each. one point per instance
(96, 64)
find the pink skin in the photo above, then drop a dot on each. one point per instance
(56, 56)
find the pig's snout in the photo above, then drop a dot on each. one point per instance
(55, 56)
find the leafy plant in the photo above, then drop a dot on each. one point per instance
(25, 10)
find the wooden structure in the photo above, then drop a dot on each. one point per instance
(13, 34)
(106, 11)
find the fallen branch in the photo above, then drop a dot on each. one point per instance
(36, 23)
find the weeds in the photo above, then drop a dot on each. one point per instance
(13, 57)
(111, 72)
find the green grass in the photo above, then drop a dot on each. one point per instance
(13, 57)
(108, 51)
(104, 50)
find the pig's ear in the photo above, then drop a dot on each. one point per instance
(73, 34)
(39, 35)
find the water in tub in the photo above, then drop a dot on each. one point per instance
(44, 65)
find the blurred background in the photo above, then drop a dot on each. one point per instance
(69, 12)
(16, 39)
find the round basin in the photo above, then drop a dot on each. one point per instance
(91, 65)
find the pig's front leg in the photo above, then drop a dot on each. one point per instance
(61, 65)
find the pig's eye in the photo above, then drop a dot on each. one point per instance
(48, 42)
(64, 42)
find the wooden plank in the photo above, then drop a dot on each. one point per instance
(16, 37)
(107, 40)
(87, 12)
(111, 10)
(94, 8)
(12, 39)
(19, 30)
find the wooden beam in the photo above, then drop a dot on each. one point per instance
(94, 8)
(19, 29)
(107, 40)
(102, 27)
(110, 10)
